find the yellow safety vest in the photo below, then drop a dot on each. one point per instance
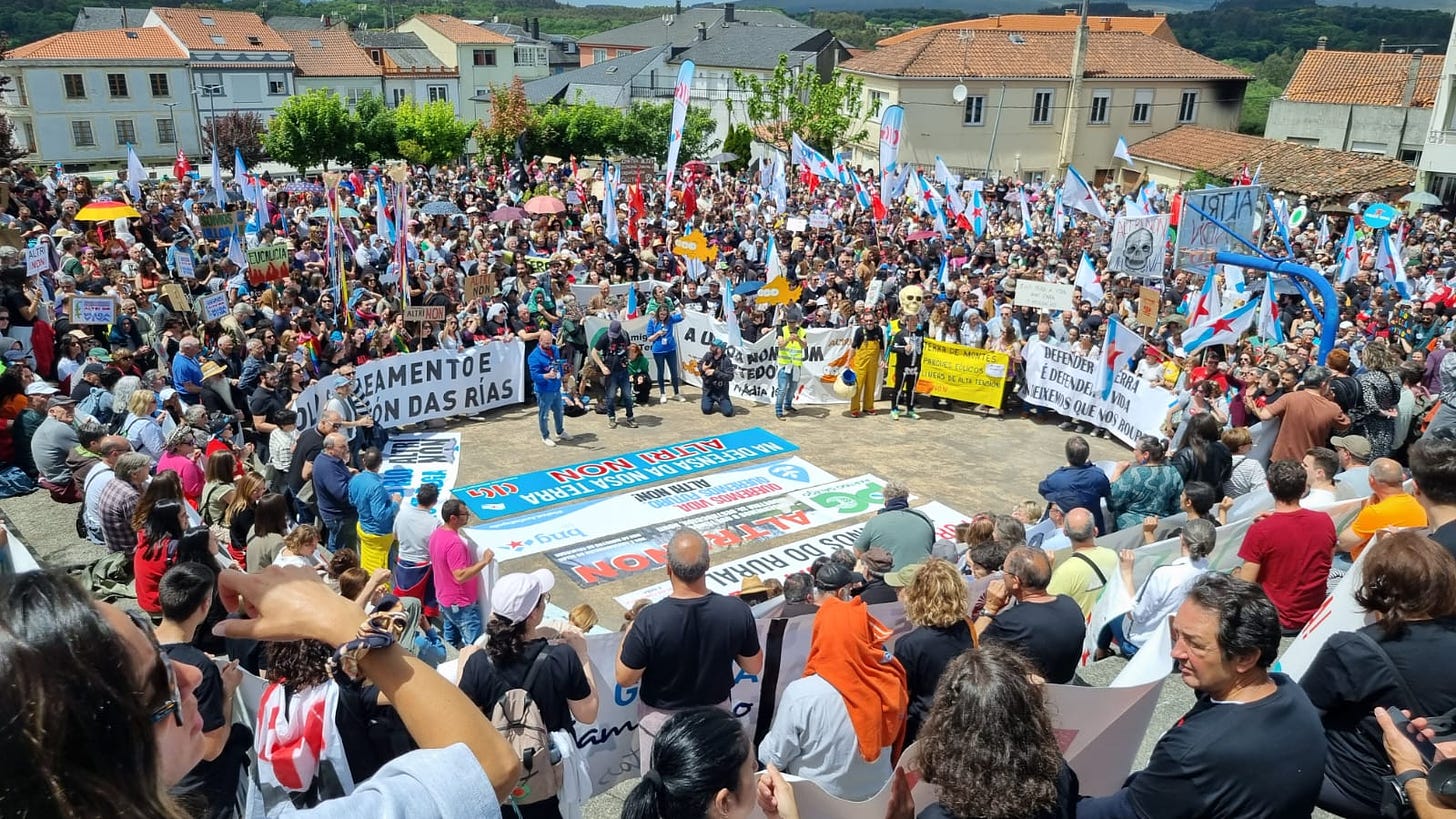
(791, 352)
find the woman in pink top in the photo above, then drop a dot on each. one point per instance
(183, 456)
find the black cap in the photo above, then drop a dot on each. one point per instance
(834, 576)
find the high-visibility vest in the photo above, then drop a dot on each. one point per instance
(791, 353)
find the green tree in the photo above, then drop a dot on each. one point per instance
(824, 113)
(585, 129)
(372, 133)
(236, 130)
(309, 129)
(739, 142)
(511, 118)
(430, 134)
(648, 125)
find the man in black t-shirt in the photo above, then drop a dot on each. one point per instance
(185, 592)
(300, 470)
(1048, 629)
(609, 354)
(1433, 468)
(1253, 746)
(682, 649)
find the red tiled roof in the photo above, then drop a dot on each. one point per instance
(329, 53)
(1364, 78)
(461, 32)
(1156, 26)
(102, 44)
(968, 53)
(1318, 172)
(239, 30)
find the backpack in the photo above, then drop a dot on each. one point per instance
(519, 720)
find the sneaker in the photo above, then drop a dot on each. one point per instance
(1066, 426)
(662, 399)
(871, 412)
(914, 416)
(678, 398)
(630, 422)
(793, 410)
(548, 442)
(894, 415)
(611, 423)
(854, 413)
(563, 437)
(782, 417)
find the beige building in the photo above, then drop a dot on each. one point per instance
(482, 57)
(999, 100)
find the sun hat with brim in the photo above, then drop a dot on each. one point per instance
(40, 388)
(212, 368)
(753, 584)
(904, 577)
(100, 354)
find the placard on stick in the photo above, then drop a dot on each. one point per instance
(1148, 302)
(267, 263)
(213, 306)
(479, 286)
(434, 312)
(176, 297)
(93, 310)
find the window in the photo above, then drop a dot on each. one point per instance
(206, 21)
(1188, 107)
(277, 84)
(212, 84)
(81, 135)
(599, 55)
(1360, 147)
(975, 111)
(353, 95)
(1041, 107)
(218, 39)
(29, 137)
(482, 93)
(1101, 104)
(315, 43)
(878, 99)
(254, 40)
(75, 86)
(399, 96)
(438, 92)
(485, 56)
(1142, 106)
(116, 84)
(1410, 157)
(125, 132)
(376, 56)
(166, 134)
(160, 86)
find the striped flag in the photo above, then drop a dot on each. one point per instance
(1080, 196)
(135, 173)
(1026, 229)
(1120, 152)
(1087, 280)
(1349, 253)
(1226, 329)
(1117, 353)
(1269, 327)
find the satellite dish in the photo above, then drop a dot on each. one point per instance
(958, 93)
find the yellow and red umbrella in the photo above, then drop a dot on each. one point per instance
(105, 210)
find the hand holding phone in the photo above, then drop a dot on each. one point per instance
(1425, 747)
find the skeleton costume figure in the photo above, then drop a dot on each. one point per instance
(907, 345)
(1137, 254)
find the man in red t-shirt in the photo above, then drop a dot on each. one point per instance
(1288, 552)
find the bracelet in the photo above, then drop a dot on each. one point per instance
(381, 629)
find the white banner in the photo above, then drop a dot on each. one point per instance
(537, 532)
(1044, 295)
(755, 376)
(414, 459)
(586, 292)
(416, 387)
(796, 556)
(1137, 246)
(1067, 383)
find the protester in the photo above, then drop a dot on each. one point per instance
(413, 526)
(454, 575)
(1146, 486)
(1354, 453)
(1162, 591)
(609, 354)
(377, 508)
(1433, 473)
(701, 766)
(791, 341)
(907, 534)
(716, 369)
(330, 481)
(1079, 484)
(546, 368)
(1048, 629)
(1308, 415)
(935, 604)
(661, 335)
(1389, 507)
(1083, 575)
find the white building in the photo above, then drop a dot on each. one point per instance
(482, 57)
(329, 59)
(410, 70)
(1438, 159)
(79, 98)
(237, 62)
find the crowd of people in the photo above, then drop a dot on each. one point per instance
(175, 444)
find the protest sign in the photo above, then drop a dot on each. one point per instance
(217, 226)
(1137, 246)
(695, 246)
(1044, 295)
(417, 387)
(962, 373)
(819, 220)
(1199, 238)
(435, 312)
(176, 297)
(213, 306)
(1149, 303)
(755, 375)
(554, 528)
(414, 459)
(633, 170)
(267, 263)
(534, 490)
(93, 310)
(796, 224)
(1067, 383)
(185, 266)
(645, 548)
(794, 556)
(479, 286)
(37, 260)
(777, 291)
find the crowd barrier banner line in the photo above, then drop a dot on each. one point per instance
(1066, 382)
(644, 549)
(586, 292)
(961, 373)
(543, 531)
(1339, 613)
(755, 377)
(414, 459)
(415, 387)
(795, 556)
(534, 490)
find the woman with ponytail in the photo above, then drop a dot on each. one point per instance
(703, 768)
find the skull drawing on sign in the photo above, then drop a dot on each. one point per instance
(1137, 252)
(911, 299)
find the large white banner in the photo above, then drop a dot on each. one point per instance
(756, 365)
(416, 387)
(562, 526)
(794, 556)
(414, 459)
(1066, 382)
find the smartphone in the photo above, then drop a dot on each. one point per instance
(1426, 748)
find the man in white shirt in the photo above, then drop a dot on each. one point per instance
(412, 529)
(1320, 464)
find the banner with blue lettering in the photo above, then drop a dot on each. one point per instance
(534, 490)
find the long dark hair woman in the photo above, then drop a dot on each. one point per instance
(1203, 456)
(156, 551)
(99, 723)
(702, 768)
(199, 545)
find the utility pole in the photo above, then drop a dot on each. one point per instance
(1074, 96)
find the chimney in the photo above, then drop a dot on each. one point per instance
(1382, 45)
(730, 11)
(677, 7)
(535, 28)
(1106, 23)
(1322, 43)
(702, 32)
(328, 20)
(1412, 77)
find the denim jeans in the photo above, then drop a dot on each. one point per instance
(788, 384)
(462, 624)
(619, 388)
(549, 402)
(667, 361)
(342, 533)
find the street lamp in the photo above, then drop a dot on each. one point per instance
(211, 91)
(172, 116)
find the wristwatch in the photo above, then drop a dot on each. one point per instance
(1403, 779)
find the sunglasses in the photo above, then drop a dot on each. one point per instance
(173, 705)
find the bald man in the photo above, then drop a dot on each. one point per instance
(682, 649)
(1048, 628)
(1084, 575)
(187, 370)
(331, 474)
(545, 367)
(1390, 506)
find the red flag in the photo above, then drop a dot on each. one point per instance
(357, 182)
(689, 201)
(878, 207)
(636, 206)
(180, 166)
(1244, 177)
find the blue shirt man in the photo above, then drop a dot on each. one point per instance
(1079, 485)
(545, 366)
(187, 370)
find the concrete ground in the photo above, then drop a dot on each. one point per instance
(972, 463)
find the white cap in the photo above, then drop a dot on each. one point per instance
(515, 596)
(40, 388)
(166, 394)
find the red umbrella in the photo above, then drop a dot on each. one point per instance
(920, 234)
(545, 204)
(507, 214)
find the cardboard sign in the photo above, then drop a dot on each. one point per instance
(796, 224)
(819, 220)
(37, 260)
(425, 313)
(479, 286)
(218, 226)
(1044, 295)
(777, 292)
(213, 306)
(1137, 245)
(1149, 301)
(267, 263)
(635, 169)
(176, 297)
(695, 247)
(93, 310)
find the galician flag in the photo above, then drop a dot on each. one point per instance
(1204, 305)
(1388, 262)
(1079, 195)
(135, 173)
(1087, 280)
(977, 213)
(1269, 327)
(218, 193)
(944, 273)
(1324, 232)
(1121, 152)
(1059, 215)
(1122, 344)
(1226, 329)
(240, 175)
(609, 204)
(1349, 253)
(1026, 229)
(735, 337)
(773, 267)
